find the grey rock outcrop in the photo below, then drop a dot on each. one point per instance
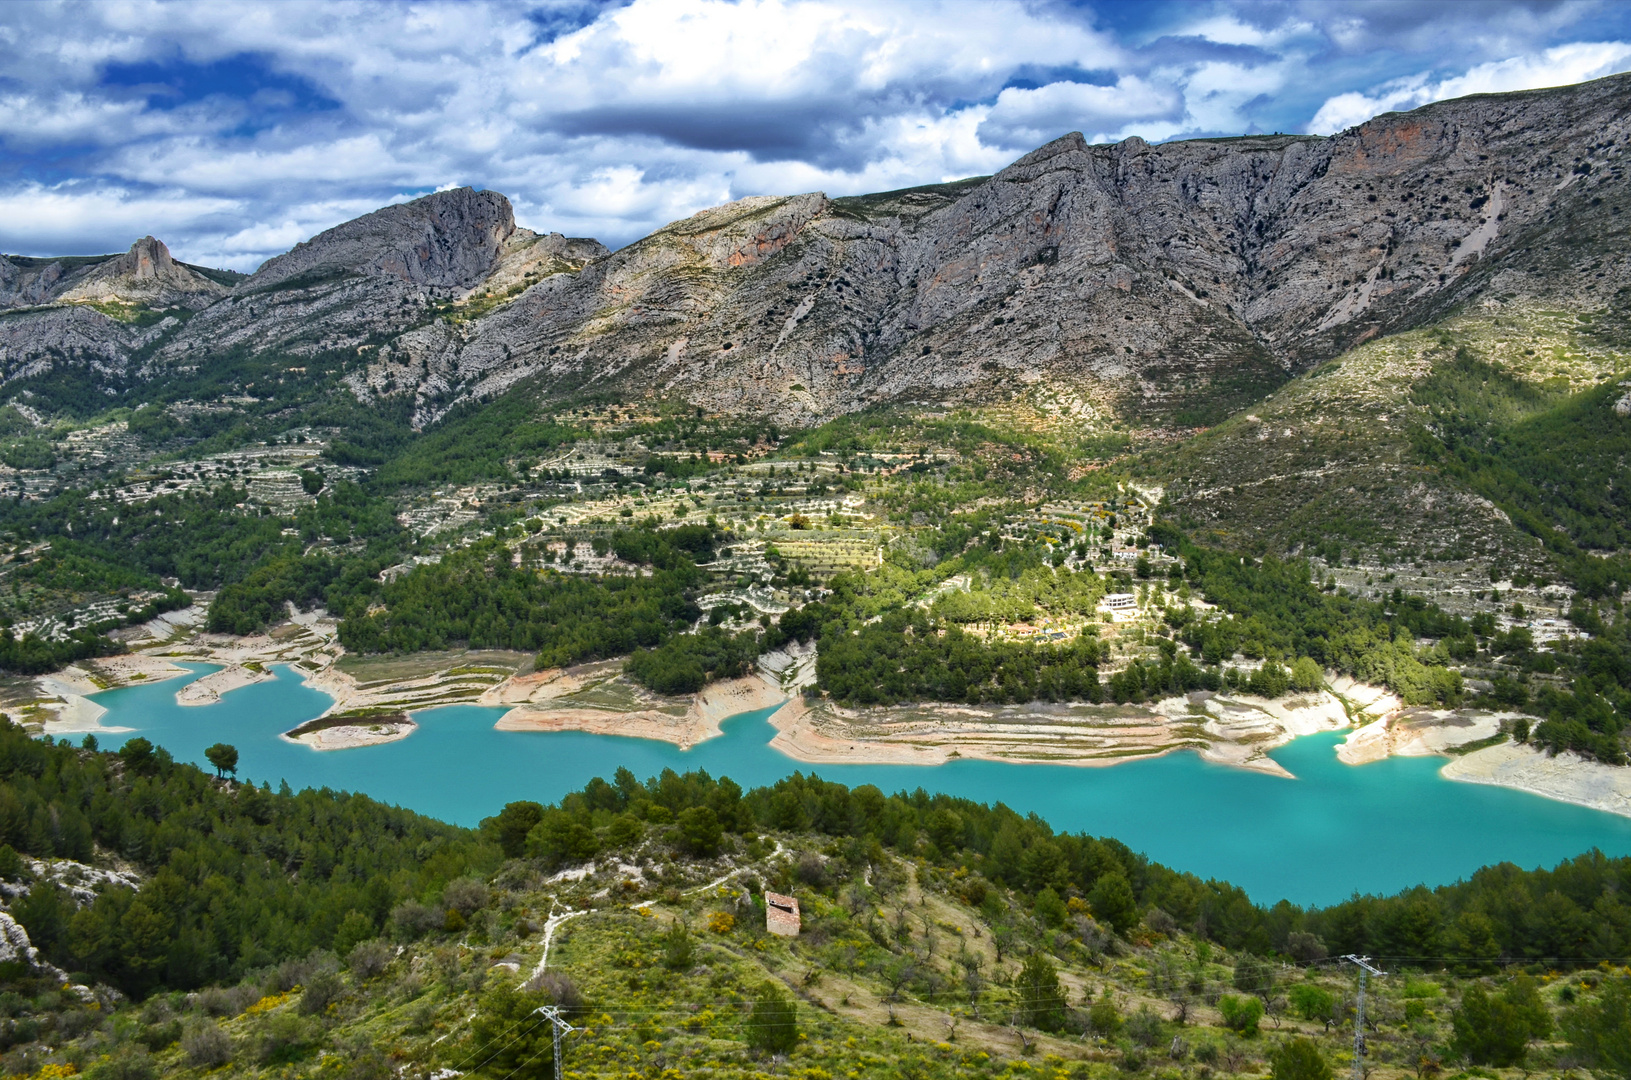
(375, 277)
(47, 315)
(32, 341)
(15, 948)
(145, 275)
(449, 240)
(1163, 285)
(1168, 283)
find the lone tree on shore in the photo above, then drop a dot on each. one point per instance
(224, 757)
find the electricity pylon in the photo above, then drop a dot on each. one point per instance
(1364, 965)
(552, 1013)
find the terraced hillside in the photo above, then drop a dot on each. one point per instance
(1383, 453)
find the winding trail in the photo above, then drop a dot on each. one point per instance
(550, 926)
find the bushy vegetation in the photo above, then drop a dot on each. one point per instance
(1571, 914)
(876, 650)
(478, 597)
(904, 657)
(476, 442)
(685, 663)
(958, 919)
(1552, 459)
(33, 655)
(206, 540)
(238, 876)
(1277, 612)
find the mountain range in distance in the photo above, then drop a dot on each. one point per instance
(1193, 292)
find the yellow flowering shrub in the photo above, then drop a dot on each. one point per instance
(268, 1003)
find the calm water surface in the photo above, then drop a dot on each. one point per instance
(1316, 839)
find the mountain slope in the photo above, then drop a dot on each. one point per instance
(1172, 282)
(362, 282)
(96, 311)
(1169, 284)
(1491, 442)
(102, 320)
(146, 274)
(269, 934)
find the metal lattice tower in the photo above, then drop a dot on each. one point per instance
(1364, 965)
(552, 1013)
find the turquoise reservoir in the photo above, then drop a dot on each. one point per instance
(1334, 830)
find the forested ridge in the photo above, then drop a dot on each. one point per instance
(874, 649)
(309, 898)
(478, 597)
(1551, 459)
(238, 876)
(332, 552)
(879, 640)
(1574, 913)
(207, 539)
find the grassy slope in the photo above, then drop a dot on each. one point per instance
(1334, 458)
(910, 929)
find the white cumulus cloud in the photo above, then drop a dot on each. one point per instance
(232, 130)
(1559, 66)
(1023, 119)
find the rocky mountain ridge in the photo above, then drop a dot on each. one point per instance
(1165, 284)
(146, 274)
(1174, 282)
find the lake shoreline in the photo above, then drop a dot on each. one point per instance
(457, 766)
(350, 736)
(699, 722)
(1565, 778)
(1236, 731)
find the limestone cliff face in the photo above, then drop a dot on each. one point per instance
(49, 319)
(375, 277)
(145, 275)
(1165, 284)
(1169, 282)
(449, 240)
(33, 341)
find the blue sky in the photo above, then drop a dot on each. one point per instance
(233, 131)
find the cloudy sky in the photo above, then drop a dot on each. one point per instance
(234, 130)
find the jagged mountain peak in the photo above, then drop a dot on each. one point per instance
(1172, 281)
(744, 231)
(447, 240)
(1167, 283)
(144, 274)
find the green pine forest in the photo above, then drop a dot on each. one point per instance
(320, 933)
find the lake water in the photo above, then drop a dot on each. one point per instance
(1316, 839)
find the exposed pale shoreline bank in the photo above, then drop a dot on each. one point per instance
(352, 736)
(1234, 730)
(1565, 778)
(208, 690)
(697, 722)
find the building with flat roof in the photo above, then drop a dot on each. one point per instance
(1120, 605)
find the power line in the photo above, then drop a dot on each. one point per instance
(1364, 965)
(952, 997)
(955, 996)
(506, 1046)
(552, 1013)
